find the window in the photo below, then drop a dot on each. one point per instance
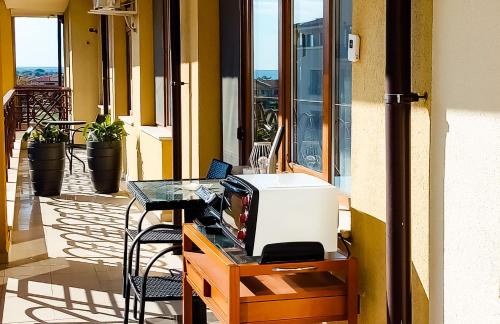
(265, 56)
(128, 58)
(315, 82)
(161, 63)
(307, 104)
(301, 77)
(343, 100)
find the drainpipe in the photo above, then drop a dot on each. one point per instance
(398, 101)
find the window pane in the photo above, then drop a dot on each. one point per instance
(265, 69)
(159, 60)
(307, 78)
(342, 110)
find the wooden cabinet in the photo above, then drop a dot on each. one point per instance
(306, 292)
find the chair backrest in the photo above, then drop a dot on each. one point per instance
(219, 169)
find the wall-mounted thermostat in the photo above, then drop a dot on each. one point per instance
(353, 48)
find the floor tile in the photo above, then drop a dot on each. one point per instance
(27, 309)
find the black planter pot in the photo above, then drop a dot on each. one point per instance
(46, 163)
(105, 161)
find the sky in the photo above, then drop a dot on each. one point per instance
(36, 42)
(266, 28)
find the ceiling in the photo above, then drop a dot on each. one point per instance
(39, 8)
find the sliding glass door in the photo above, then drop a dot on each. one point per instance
(342, 89)
(307, 83)
(296, 74)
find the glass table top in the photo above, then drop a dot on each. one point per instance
(161, 193)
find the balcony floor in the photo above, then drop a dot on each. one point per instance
(66, 258)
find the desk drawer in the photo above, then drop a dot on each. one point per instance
(208, 292)
(321, 307)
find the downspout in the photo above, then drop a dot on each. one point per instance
(398, 101)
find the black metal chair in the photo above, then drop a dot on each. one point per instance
(156, 288)
(171, 234)
(219, 169)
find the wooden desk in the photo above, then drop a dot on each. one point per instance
(253, 293)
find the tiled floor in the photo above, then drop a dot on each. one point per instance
(66, 259)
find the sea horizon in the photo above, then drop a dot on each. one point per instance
(46, 68)
(271, 74)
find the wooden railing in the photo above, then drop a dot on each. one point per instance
(9, 124)
(37, 104)
(30, 106)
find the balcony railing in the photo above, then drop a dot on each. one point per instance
(24, 107)
(35, 105)
(10, 124)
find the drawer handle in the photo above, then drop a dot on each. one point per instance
(295, 269)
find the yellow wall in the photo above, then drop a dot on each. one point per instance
(147, 157)
(82, 59)
(201, 100)
(152, 166)
(6, 50)
(131, 156)
(465, 163)
(368, 159)
(6, 83)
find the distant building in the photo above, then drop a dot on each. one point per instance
(266, 88)
(44, 80)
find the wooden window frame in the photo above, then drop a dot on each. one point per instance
(285, 162)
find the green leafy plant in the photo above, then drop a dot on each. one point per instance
(106, 131)
(48, 134)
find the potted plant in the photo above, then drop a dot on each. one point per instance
(104, 153)
(46, 157)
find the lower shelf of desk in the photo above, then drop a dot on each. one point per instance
(302, 297)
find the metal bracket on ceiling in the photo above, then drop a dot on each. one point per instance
(401, 98)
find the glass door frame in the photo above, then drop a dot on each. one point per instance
(246, 114)
(328, 52)
(285, 162)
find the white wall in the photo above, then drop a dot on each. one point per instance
(230, 147)
(465, 163)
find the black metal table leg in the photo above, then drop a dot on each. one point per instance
(72, 146)
(76, 157)
(199, 311)
(190, 214)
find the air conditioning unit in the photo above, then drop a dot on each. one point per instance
(106, 4)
